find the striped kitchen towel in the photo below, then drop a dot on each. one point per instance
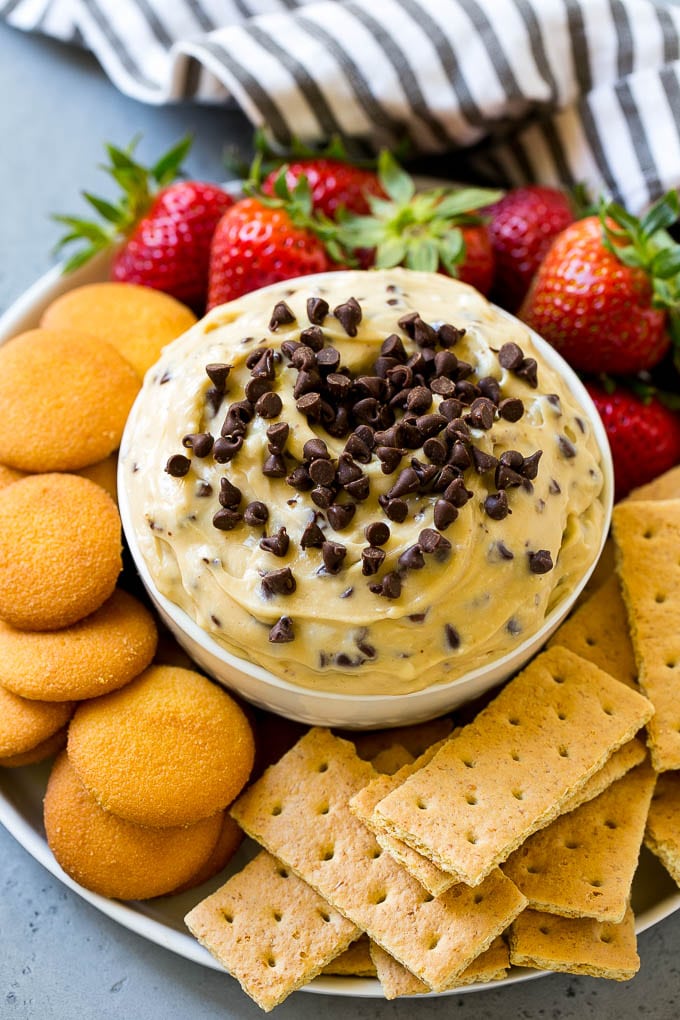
(550, 90)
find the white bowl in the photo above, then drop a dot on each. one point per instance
(263, 688)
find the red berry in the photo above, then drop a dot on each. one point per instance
(644, 436)
(522, 225)
(255, 245)
(332, 183)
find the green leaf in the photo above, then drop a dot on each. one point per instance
(452, 250)
(662, 215)
(110, 212)
(81, 257)
(168, 166)
(390, 252)
(467, 200)
(84, 228)
(423, 256)
(394, 179)
(620, 216)
(121, 159)
(666, 263)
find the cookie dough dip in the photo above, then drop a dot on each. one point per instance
(366, 482)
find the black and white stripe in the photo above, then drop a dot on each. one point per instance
(551, 90)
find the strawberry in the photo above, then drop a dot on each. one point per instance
(165, 229)
(643, 433)
(256, 244)
(607, 294)
(438, 229)
(333, 183)
(521, 226)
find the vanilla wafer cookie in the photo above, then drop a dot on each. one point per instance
(598, 631)
(270, 930)
(582, 864)
(299, 811)
(647, 535)
(396, 981)
(662, 835)
(509, 772)
(575, 945)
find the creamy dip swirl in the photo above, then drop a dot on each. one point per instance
(422, 618)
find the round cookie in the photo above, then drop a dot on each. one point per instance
(113, 857)
(168, 749)
(24, 724)
(9, 475)
(47, 749)
(228, 842)
(137, 321)
(91, 657)
(60, 550)
(65, 398)
(104, 473)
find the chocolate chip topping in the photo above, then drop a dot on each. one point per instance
(528, 371)
(377, 533)
(269, 405)
(390, 586)
(274, 466)
(282, 631)
(444, 514)
(496, 506)
(279, 582)
(178, 465)
(299, 479)
(333, 554)
(452, 637)
(372, 559)
(340, 515)
(510, 356)
(482, 413)
(395, 509)
(393, 347)
(227, 519)
(357, 449)
(262, 366)
(412, 558)
(457, 493)
(529, 466)
(277, 436)
(322, 472)
(277, 543)
(281, 316)
(567, 448)
(434, 544)
(312, 536)
(200, 442)
(218, 373)
(315, 449)
(449, 335)
(511, 409)
(349, 316)
(322, 496)
(312, 338)
(540, 562)
(406, 483)
(328, 359)
(317, 310)
(255, 388)
(256, 513)
(230, 495)
(203, 489)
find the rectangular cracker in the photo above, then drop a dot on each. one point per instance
(270, 930)
(299, 810)
(508, 773)
(396, 980)
(666, 486)
(647, 536)
(598, 631)
(575, 945)
(356, 961)
(663, 823)
(582, 864)
(626, 758)
(363, 803)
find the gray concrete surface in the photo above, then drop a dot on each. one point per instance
(59, 958)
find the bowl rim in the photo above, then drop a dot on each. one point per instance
(212, 647)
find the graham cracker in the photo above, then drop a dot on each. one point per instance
(582, 864)
(598, 631)
(396, 980)
(626, 758)
(356, 961)
(663, 823)
(363, 803)
(508, 773)
(416, 738)
(391, 759)
(270, 930)
(666, 486)
(299, 810)
(647, 535)
(575, 945)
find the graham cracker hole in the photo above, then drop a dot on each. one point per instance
(428, 897)
(277, 916)
(591, 642)
(380, 897)
(561, 716)
(544, 930)
(434, 942)
(323, 767)
(518, 794)
(323, 809)
(471, 799)
(648, 533)
(606, 938)
(276, 810)
(283, 873)
(325, 917)
(571, 845)
(671, 664)
(515, 756)
(596, 883)
(271, 962)
(558, 679)
(659, 598)
(328, 854)
(471, 837)
(478, 898)
(229, 918)
(611, 825)
(468, 764)
(376, 853)
(533, 870)
(608, 710)
(513, 721)
(421, 805)
(563, 751)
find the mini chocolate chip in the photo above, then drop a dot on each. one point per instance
(445, 363)
(395, 509)
(178, 465)
(370, 386)
(312, 338)
(434, 544)
(310, 406)
(459, 456)
(200, 442)
(255, 388)
(277, 543)
(482, 461)
(165, 378)
(444, 514)
(504, 552)
(392, 347)
(263, 366)
(390, 587)
(315, 449)
(349, 316)
(203, 489)
(466, 391)
(274, 466)
(458, 429)
(540, 562)
(496, 506)
(322, 496)
(490, 388)
(426, 473)
(436, 450)
(317, 310)
(366, 649)
(452, 637)
(366, 435)
(306, 382)
(218, 373)
(423, 334)
(513, 626)
(567, 448)
(347, 593)
(333, 554)
(328, 359)
(281, 316)
(512, 459)
(528, 371)
(282, 631)
(359, 489)
(443, 387)
(256, 513)
(367, 410)
(279, 582)
(382, 366)
(299, 479)
(554, 400)
(430, 424)
(511, 409)
(312, 536)
(449, 335)
(289, 347)
(510, 356)
(337, 426)
(529, 467)
(554, 488)
(482, 413)
(227, 519)
(226, 447)
(340, 515)
(506, 478)
(419, 399)
(348, 471)
(412, 558)
(417, 617)
(269, 405)
(408, 323)
(463, 370)
(406, 482)
(377, 533)
(451, 409)
(457, 493)
(322, 472)
(278, 436)
(372, 559)
(357, 449)
(230, 495)
(339, 386)
(400, 377)
(213, 398)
